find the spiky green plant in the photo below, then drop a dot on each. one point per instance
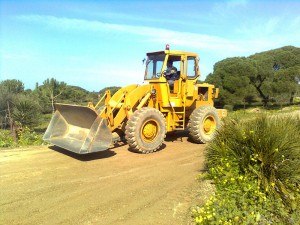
(266, 148)
(254, 164)
(26, 112)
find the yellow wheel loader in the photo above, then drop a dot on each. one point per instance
(142, 114)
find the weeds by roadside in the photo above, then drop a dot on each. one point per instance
(25, 137)
(6, 139)
(255, 166)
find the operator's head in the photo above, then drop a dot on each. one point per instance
(170, 63)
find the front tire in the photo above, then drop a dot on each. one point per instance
(145, 130)
(203, 123)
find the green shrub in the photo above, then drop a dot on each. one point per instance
(240, 201)
(228, 107)
(255, 164)
(25, 137)
(28, 137)
(26, 111)
(6, 140)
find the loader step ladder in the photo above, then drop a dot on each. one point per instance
(180, 122)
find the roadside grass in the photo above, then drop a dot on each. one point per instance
(254, 112)
(254, 163)
(6, 139)
(25, 137)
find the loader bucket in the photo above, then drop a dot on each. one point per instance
(78, 129)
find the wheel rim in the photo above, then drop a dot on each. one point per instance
(209, 124)
(149, 130)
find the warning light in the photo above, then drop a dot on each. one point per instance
(167, 47)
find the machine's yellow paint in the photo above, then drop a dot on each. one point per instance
(209, 124)
(112, 112)
(175, 106)
(149, 130)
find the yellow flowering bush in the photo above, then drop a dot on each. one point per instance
(255, 166)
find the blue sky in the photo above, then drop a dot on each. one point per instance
(95, 44)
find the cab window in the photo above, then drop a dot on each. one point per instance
(191, 67)
(154, 66)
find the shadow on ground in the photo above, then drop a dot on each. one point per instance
(85, 157)
(177, 136)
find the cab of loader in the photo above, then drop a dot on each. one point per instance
(186, 64)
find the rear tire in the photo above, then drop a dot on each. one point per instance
(145, 130)
(203, 123)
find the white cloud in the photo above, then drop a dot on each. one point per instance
(218, 47)
(258, 28)
(158, 35)
(104, 75)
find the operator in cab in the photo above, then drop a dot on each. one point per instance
(171, 74)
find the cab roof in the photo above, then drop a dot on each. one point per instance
(172, 52)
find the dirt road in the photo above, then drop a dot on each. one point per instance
(48, 185)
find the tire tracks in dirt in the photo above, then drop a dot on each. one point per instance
(44, 185)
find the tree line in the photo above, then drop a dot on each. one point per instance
(267, 77)
(263, 78)
(25, 108)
